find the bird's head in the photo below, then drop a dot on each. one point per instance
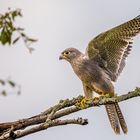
(70, 54)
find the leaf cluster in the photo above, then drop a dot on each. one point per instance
(8, 29)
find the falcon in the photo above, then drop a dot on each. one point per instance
(102, 63)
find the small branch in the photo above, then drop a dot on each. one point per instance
(50, 117)
(53, 123)
(43, 126)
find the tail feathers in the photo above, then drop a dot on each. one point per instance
(113, 118)
(121, 118)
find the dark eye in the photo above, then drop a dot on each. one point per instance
(67, 53)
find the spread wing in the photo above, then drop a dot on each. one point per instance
(111, 48)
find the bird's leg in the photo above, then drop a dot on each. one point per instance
(88, 97)
(107, 95)
(104, 95)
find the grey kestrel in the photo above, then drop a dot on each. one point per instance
(102, 63)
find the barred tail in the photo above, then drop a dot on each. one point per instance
(113, 118)
(121, 119)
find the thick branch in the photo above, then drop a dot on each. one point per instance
(49, 118)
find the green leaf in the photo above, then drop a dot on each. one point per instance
(0, 23)
(16, 13)
(10, 25)
(2, 82)
(19, 29)
(3, 37)
(23, 35)
(32, 40)
(4, 93)
(16, 40)
(11, 83)
(9, 36)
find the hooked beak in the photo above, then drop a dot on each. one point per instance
(62, 57)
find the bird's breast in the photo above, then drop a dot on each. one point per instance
(93, 76)
(86, 71)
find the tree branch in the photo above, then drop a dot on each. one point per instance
(51, 117)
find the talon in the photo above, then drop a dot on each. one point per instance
(83, 104)
(96, 99)
(107, 95)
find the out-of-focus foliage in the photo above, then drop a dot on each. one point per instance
(8, 29)
(10, 34)
(8, 86)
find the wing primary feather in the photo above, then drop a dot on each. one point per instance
(113, 46)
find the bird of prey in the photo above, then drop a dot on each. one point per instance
(102, 63)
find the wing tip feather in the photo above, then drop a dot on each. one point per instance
(138, 17)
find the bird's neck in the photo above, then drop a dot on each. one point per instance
(77, 65)
(76, 62)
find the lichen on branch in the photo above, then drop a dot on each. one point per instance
(52, 116)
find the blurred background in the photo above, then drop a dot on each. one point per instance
(44, 80)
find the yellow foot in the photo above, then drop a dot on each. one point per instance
(96, 99)
(107, 95)
(84, 103)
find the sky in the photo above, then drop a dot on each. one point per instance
(59, 24)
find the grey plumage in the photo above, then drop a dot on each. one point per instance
(102, 63)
